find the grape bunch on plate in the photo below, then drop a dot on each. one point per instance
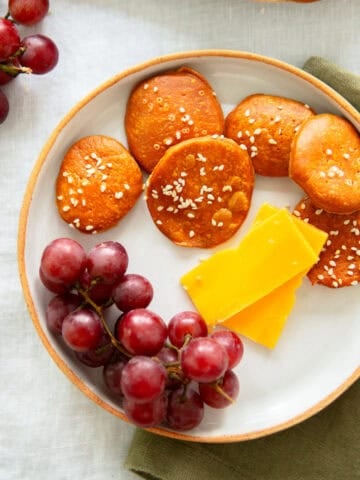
(161, 374)
(36, 54)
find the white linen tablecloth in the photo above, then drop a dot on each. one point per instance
(48, 428)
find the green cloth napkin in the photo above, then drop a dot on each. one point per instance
(324, 447)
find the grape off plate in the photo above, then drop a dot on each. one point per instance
(317, 357)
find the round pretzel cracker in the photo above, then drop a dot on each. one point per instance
(339, 261)
(98, 184)
(167, 109)
(325, 163)
(265, 126)
(199, 193)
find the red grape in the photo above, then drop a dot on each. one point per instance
(204, 360)
(185, 409)
(186, 323)
(229, 384)
(147, 414)
(82, 330)
(9, 39)
(112, 375)
(170, 356)
(98, 356)
(4, 107)
(167, 355)
(58, 308)
(54, 287)
(143, 379)
(63, 261)
(41, 54)
(232, 345)
(5, 78)
(141, 331)
(108, 262)
(99, 292)
(133, 291)
(28, 12)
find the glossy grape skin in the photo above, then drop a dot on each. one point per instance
(9, 39)
(232, 345)
(58, 308)
(143, 379)
(100, 293)
(82, 330)
(185, 411)
(63, 261)
(148, 414)
(186, 323)
(141, 331)
(98, 356)
(229, 384)
(28, 12)
(41, 54)
(133, 291)
(112, 373)
(204, 360)
(107, 261)
(54, 287)
(4, 107)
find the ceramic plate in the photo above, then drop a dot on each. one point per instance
(317, 357)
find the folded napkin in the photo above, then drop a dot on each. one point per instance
(324, 447)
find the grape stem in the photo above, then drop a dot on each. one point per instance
(13, 70)
(221, 392)
(98, 310)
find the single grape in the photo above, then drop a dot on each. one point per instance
(4, 107)
(175, 377)
(229, 383)
(82, 330)
(54, 287)
(143, 379)
(58, 308)
(41, 54)
(167, 355)
(98, 356)
(146, 415)
(185, 409)
(133, 291)
(186, 323)
(63, 261)
(28, 12)
(112, 375)
(204, 360)
(108, 262)
(141, 331)
(9, 39)
(232, 345)
(4, 79)
(100, 293)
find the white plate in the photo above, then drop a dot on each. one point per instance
(317, 357)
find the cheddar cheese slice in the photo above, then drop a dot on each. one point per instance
(271, 254)
(264, 321)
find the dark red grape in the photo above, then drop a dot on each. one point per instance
(147, 414)
(4, 79)
(28, 12)
(133, 291)
(204, 360)
(82, 330)
(98, 356)
(58, 308)
(54, 287)
(141, 331)
(63, 261)
(4, 107)
(108, 262)
(186, 323)
(41, 54)
(232, 345)
(167, 355)
(112, 375)
(9, 39)
(99, 292)
(143, 379)
(229, 384)
(185, 409)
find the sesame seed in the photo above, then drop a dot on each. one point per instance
(346, 156)
(74, 202)
(243, 146)
(350, 257)
(126, 186)
(167, 141)
(352, 266)
(220, 224)
(356, 231)
(89, 228)
(178, 134)
(182, 110)
(155, 89)
(350, 273)
(320, 277)
(190, 215)
(66, 208)
(252, 139)
(227, 188)
(253, 148)
(211, 197)
(296, 129)
(335, 284)
(355, 282)
(60, 197)
(158, 222)
(102, 187)
(334, 232)
(70, 179)
(191, 233)
(247, 113)
(277, 119)
(329, 151)
(239, 134)
(252, 120)
(202, 171)
(200, 158)
(302, 206)
(343, 247)
(213, 222)
(332, 263)
(319, 211)
(330, 271)
(257, 131)
(253, 154)
(272, 141)
(109, 164)
(328, 243)
(146, 86)
(85, 182)
(296, 213)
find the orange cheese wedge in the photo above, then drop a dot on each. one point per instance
(251, 289)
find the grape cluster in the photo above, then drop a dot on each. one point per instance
(32, 54)
(161, 374)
